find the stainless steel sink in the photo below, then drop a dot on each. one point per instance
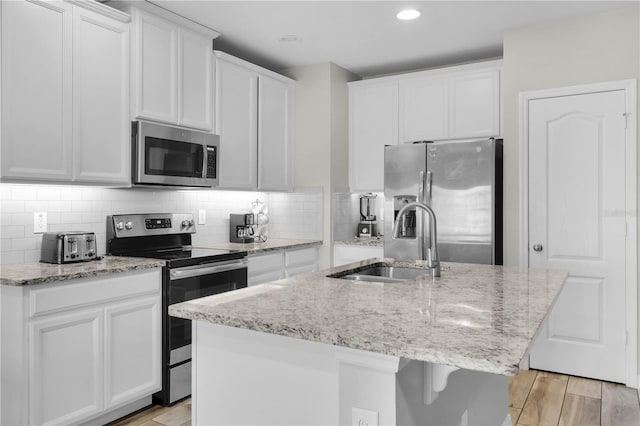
(383, 274)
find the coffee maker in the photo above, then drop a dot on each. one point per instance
(367, 226)
(241, 228)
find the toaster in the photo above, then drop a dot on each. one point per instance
(67, 247)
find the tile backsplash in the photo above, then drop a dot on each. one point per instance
(74, 208)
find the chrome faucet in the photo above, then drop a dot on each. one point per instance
(429, 254)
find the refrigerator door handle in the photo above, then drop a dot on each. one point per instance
(424, 196)
(428, 185)
(422, 183)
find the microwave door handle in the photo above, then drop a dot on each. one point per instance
(190, 272)
(204, 161)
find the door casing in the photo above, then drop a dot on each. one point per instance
(631, 255)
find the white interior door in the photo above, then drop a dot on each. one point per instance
(577, 223)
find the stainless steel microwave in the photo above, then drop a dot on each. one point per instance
(171, 156)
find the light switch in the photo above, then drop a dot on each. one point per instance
(202, 217)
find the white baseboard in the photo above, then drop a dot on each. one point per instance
(132, 407)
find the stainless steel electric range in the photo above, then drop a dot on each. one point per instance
(190, 273)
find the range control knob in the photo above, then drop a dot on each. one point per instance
(187, 223)
(120, 226)
(128, 225)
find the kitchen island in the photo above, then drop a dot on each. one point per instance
(319, 350)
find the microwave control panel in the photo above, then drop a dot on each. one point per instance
(211, 162)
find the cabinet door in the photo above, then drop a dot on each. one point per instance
(263, 268)
(373, 123)
(423, 111)
(195, 80)
(101, 98)
(36, 90)
(156, 69)
(299, 261)
(236, 123)
(133, 343)
(275, 128)
(474, 105)
(65, 381)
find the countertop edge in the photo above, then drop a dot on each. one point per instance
(462, 362)
(137, 264)
(270, 245)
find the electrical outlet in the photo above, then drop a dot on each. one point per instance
(39, 222)
(202, 217)
(361, 417)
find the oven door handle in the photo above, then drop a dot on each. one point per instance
(199, 270)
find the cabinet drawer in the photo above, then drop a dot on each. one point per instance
(298, 257)
(265, 263)
(348, 254)
(88, 291)
(265, 277)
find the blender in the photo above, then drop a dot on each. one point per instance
(367, 226)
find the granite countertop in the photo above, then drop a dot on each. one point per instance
(21, 274)
(477, 317)
(269, 245)
(363, 242)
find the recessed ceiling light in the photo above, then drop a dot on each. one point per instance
(408, 14)
(289, 38)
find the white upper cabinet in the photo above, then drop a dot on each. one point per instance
(36, 90)
(423, 109)
(65, 92)
(196, 81)
(474, 105)
(373, 123)
(100, 98)
(236, 123)
(155, 68)
(255, 119)
(275, 132)
(461, 102)
(172, 69)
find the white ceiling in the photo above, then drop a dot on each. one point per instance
(364, 36)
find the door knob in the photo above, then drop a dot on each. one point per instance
(537, 247)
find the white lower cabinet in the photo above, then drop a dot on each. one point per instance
(265, 267)
(279, 264)
(132, 360)
(300, 261)
(67, 361)
(343, 254)
(80, 348)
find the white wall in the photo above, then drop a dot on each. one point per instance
(322, 136)
(73, 208)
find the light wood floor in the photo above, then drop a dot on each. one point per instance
(540, 398)
(536, 398)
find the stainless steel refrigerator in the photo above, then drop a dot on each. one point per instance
(462, 183)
